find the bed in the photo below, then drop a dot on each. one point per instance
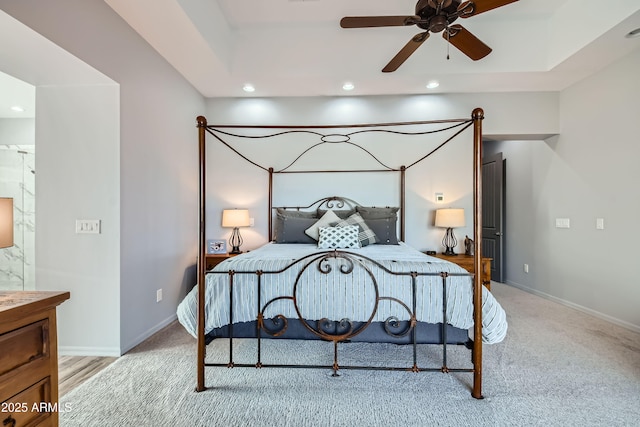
(339, 271)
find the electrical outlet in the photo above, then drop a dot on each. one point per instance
(87, 226)
(159, 295)
(599, 223)
(252, 222)
(526, 268)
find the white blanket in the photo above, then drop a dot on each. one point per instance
(338, 296)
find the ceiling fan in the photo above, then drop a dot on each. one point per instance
(433, 16)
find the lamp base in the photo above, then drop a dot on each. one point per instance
(235, 241)
(449, 242)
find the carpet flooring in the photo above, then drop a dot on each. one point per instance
(556, 367)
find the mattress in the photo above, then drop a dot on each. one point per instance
(348, 291)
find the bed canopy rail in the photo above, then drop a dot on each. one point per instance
(328, 135)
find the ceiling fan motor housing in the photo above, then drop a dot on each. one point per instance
(436, 15)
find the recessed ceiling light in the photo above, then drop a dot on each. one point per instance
(248, 88)
(433, 84)
(348, 86)
(633, 33)
(17, 108)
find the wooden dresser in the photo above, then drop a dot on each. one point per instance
(466, 262)
(29, 358)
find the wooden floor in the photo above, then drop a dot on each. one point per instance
(74, 370)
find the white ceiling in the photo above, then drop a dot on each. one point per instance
(16, 93)
(297, 48)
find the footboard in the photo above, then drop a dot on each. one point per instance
(337, 295)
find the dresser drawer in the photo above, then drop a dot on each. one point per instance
(24, 345)
(26, 408)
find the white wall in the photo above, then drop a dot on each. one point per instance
(589, 171)
(151, 184)
(234, 183)
(585, 173)
(17, 131)
(77, 134)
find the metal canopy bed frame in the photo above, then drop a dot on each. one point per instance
(348, 258)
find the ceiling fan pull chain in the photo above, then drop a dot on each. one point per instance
(448, 44)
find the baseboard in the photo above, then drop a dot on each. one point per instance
(140, 338)
(113, 351)
(578, 307)
(88, 351)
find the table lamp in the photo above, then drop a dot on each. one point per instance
(235, 218)
(449, 218)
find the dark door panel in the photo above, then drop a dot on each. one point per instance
(492, 212)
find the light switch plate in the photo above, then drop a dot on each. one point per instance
(563, 223)
(87, 226)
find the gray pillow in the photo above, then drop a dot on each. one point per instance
(290, 229)
(383, 222)
(376, 213)
(296, 213)
(342, 214)
(385, 229)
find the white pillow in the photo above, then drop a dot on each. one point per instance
(345, 237)
(328, 219)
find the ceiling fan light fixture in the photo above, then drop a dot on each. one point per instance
(433, 84)
(248, 87)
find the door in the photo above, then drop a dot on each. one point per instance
(492, 213)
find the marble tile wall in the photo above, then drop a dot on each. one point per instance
(17, 180)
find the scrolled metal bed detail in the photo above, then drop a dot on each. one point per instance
(271, 321)
(345, 329)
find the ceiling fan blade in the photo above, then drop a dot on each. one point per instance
(482, 6)
(406, 52)
(377, 21)
(466, 42)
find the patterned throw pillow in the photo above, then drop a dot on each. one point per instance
(339, 237)
(365, 235)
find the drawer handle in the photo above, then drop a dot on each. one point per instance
(10, 422)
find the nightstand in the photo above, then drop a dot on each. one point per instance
(466, 262)
(211, 260)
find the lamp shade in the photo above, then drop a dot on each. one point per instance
(235, 218)
(450, 218)
(6, 222)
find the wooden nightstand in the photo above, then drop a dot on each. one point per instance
(211, 260)
(466, 262)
